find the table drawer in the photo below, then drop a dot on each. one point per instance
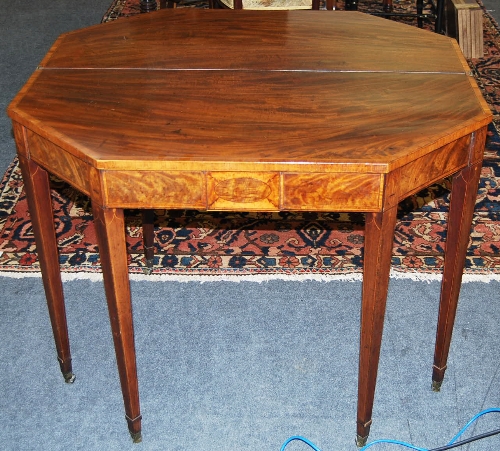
(152, 189)
(332, 192)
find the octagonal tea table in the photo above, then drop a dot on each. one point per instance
(251, 111)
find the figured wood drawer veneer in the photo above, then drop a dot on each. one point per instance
(155, 189)
(430, 168)
(332, 192)
(61, 163)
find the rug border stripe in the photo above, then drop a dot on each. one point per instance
(262, 278)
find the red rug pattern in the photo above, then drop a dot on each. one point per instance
(199, 243)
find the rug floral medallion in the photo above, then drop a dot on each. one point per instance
(192, 245)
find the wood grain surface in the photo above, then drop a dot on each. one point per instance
(288, 40)
(171, 120)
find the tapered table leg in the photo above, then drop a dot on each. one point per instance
(420, 11)
(351, 5)
(148, 6)
(110, 228)
(462, 204)
(379, 238)
(439, 25)
(148, 239)
(36, 185)
(387, 6)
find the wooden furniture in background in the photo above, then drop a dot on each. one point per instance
(273, 4)
(307, 111)
(464, 22)
(268, 5)
(434, 12)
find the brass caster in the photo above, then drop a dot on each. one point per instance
(136, 437)
(361, 441)
(69, 378)
(436, 386)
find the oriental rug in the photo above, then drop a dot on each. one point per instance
(193, 245)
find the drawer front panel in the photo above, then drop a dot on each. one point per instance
(151, 189)
(332, 192)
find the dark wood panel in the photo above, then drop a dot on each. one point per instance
(305, 40)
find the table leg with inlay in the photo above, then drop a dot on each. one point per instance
(379, 238)
(37, 187)
(462, 204)
(148, 239)
(110, 229)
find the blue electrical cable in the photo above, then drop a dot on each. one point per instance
(474, 418)
(394, 442)
(451, 444)
(301, 439)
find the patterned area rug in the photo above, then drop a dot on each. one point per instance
(325, 246)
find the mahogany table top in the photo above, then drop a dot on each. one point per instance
(294, 91)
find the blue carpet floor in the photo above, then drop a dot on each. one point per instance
(243, 366)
